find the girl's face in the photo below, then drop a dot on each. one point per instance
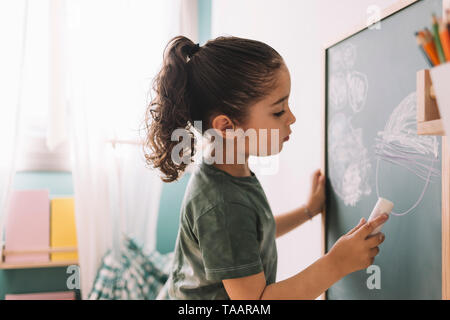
(273, 114)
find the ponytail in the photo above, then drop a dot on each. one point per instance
(171, 108)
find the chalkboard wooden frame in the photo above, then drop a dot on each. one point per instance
(445, 218)
(399, 5)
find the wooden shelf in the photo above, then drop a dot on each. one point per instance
(30, 265)
(48, 264)
(431, 127)
(429, 120)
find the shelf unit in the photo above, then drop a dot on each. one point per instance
(429, 122)
(48, 264)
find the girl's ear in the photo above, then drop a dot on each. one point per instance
(221, 123)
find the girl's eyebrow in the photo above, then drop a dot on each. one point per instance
(279, 101)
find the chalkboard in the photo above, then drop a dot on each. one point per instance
(372, 150)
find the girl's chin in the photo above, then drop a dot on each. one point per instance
(270, 154)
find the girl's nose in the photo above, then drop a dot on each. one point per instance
(292, 118)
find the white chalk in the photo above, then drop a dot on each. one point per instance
(382, 206)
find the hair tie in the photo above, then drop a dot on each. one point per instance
(194, 49)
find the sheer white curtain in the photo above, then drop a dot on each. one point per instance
(115, 47)
(13, 32)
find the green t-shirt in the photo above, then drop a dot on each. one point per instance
(227, 230)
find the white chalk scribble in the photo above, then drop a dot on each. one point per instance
(347, 87)
(399, 144)
(343, 58)
(338, 91)
(358, 86)
(349, 55)
(336, 60)
(349, 161)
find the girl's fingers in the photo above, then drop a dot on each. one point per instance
(374, 252)
(361, 222)
(365, 231)
(375, 240)
(315, 178)
(320, 182)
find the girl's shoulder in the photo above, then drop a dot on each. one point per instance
(207, 189)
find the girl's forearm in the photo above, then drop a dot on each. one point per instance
(290, 220)
(307, 284)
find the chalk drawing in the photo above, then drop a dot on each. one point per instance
(348, 87)
(358, 86)
(336, 60)
(343, 58)
(400, 145)
(349, 55)
(338, 91)
(349, 161)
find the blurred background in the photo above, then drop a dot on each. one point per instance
(75, 82)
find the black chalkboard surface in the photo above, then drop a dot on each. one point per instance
(372, 150)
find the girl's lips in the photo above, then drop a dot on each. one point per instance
(286, 139)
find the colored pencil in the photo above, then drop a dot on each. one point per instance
(429, 46)
(444, 35)
(437, 40)
(447, 20)
(420, 42)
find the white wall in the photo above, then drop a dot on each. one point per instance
(297, 29)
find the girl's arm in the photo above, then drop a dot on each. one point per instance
(291, 220)
(306, 285)
(353, 251)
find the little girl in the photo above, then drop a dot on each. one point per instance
(225, 247)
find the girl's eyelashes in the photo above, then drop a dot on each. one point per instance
(279, 114)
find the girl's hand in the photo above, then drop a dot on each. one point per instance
(356, 250)
(316, 198)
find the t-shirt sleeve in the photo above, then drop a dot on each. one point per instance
(228, 241)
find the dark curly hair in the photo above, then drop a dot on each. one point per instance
(224, 76)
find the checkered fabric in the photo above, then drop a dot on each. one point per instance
(135, 276)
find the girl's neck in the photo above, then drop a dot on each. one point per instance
(235, 169)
